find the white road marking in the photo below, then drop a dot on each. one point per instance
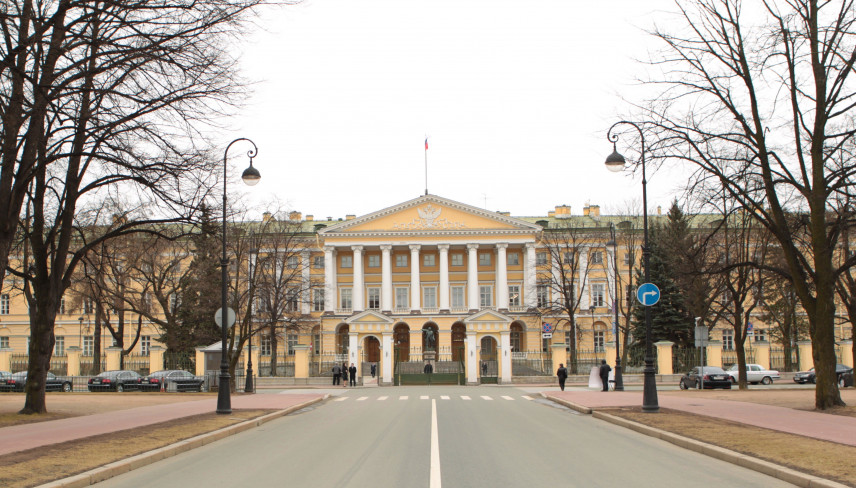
(340, 399)
(405, 397)
(464, 397)
(485, 397)
(444, 397)
(361, 399)
(527, 397)
(380, 399)
(435, 449)
(423, 397)
(507, 397)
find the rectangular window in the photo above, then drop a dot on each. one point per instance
(401, 297)
(598, 295)
(728, 340)
(457, 259)
(291, 262)
(262, 305)
(485, 296)
(291, 296)
(317, 300)
(61, 308)
(88, 345)
(290, 341)
(429, 297)
(513, 295)
(174, 302)
(264, 347)
(345, 294)
(59, 346)
(540, 258)
(760, 335)
(458, 297)
(318, 262)
(429, 260)
(484, 259)
(542, 296)
(599, 341)
(4, 304)
(316, 343)
(627, 259)
(568, 258)
(145, 345)
(512, 259)
(374, 298)
(596, 257)
(347, 261)
(88, 305)
(4, 342)
(401, 260)
(374, 261)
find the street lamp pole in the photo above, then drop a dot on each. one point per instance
(619, 380)
(249, 387)
(251, 177)
(615, 162)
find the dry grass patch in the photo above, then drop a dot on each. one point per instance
(44, 464)
(821, 458)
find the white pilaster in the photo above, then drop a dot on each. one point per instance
(531, 277)
(444, 277)
(354, 351)
(386, 279)
(330, 288)
(359, 303)
(583, 280)
(388, 358)
(306, 293)
(501, 276)
(415, 286)
(505, 342)
(472, 359)
(472, 276)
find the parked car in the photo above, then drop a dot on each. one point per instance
(846, 380)
(4, 375)
(755, 373)
(808, 376)
(172, 379)
(119, 381)
(713, 378)
(18, 381)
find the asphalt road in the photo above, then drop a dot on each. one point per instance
(482, 437)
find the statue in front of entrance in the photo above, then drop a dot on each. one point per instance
(429, 338)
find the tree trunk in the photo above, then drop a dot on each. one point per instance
(273, 350)
(41, 349)
(822, 328)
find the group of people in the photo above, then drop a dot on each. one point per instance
(344, 374)
(603, 372)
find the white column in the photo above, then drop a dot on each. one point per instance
(415, 287)
(583, 280)
(306, 284)
(501, 277)
(531, 277)
(354, 351)
(330, 295)
(473, 277)
(359, 303)
(472, 359)
(388, 358)
(386, 304)
(444, 277)
(505, 342)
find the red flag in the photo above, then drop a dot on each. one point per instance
(426, 143)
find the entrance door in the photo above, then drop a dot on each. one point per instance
(372, 349)
(459, 333)
(488, 360)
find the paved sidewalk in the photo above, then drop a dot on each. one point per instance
(834, 428)
(29, 436)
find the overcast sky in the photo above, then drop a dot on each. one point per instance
(514, 97)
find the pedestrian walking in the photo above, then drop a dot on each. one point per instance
(374, 369)
(337, 374)
(352, 373)
(562, 373)
(604, 374)
(484, 368)
(344, 375)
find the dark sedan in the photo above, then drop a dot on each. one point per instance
(809, 377)
(171, 380)
(713, 378)
(18, 381)
(119, 381)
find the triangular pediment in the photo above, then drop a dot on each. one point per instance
(433, 215)
(488, 317)
(369, 317)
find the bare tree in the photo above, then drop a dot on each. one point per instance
(758, 96)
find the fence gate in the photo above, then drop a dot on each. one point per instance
(489, 361)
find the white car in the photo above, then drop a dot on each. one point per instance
(755, 373)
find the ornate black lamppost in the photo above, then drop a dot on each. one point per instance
(619, 381)
(250, 176)
(615, 162)
(249, 387)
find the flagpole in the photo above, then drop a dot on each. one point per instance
(426, 165)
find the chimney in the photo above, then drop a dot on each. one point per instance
(350, 217)
(295, 216)
(563, 211)
(310, 217)
(266, 217)
(586, 210)
(594, 210)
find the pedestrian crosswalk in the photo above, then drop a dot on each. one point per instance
(488, 398)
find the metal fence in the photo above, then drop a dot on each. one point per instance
(138, 363)
(284, 365)
(322, 364)
(785, 359)
(684, 359)
(180, 360)
(729, 358)
(532, 363)
(87, 365)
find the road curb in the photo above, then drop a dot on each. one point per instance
(770, 469)
(571, 405)
(135, 462)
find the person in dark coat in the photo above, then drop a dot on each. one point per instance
(344, 375)
(337, 374)
(374, 369)
(352, 373)
(562, 373)
(428, 369)
(604, 374)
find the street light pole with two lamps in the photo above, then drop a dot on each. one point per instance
(250, 176)
(615, 162)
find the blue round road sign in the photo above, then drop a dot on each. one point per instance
(648, 294)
